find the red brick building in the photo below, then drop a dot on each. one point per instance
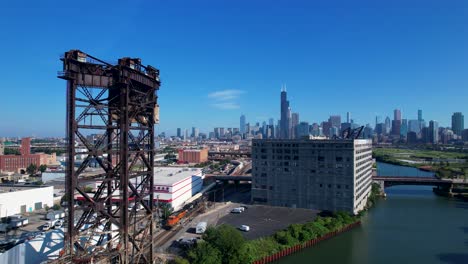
(14, 163)
(193, 155)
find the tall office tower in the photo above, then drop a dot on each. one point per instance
(271, 122)
(458, 123)
(404, 127)
(413, 126)
(433, 132)
(186, 135)
(396, 114)
(285, 115)
(297, 179)
(396, 122)
(334, 131)
(376, 121)
(302, 129)
(388, 125)
(380, 128)
(217, 132)
(221, 132)
(294, 123)
(420, 118)
(242, 124)
(195, 132)
(335, 121)
(326, 125)
(348, 117)
(179, 132)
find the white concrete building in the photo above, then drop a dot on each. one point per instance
(176, 185)
(334, 175)
(18, 199)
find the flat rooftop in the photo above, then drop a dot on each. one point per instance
(18, 187)
(171, 175)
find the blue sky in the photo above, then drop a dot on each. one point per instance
(219, 59)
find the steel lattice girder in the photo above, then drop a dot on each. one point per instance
(119, 103)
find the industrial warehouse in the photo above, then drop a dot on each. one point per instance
(333, 175)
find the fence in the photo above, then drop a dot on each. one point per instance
(288, 251)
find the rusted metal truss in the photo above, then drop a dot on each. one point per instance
(111, 113)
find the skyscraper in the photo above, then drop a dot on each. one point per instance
(242, 124)
(335, 121)
(285, 115)
(294, 123)
(271, 122)
(388, 125)
(179, 132)
(348, 117)
(396, 123)
(194, 132)
(420, 115)
(433, 132)
(396, 114)
(458, 123)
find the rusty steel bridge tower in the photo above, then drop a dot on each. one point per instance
(111, 113)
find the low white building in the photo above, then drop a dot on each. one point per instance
(19, 199)
(176, 185)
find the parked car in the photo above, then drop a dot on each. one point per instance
(237, 210)
(201, 228)
(244, 228)
(59, 223)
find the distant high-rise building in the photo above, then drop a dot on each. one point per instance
(433, 132)
(271, 122)
(221, 132)
(413, 126)
(380, 129)
(458, 123)
(396, 122)
(179, 132)
(186, 134)
(396, 114)
(465, 135)
(412, 137)
(285, 115)
(335, 121)
(348, 117)
(294, 123)
(404, 127)
(302, 129)
(195, 132)
(217, 133)
(242, 124)
(326, 125)
(388, 125)
(420, 117)
(334, 131)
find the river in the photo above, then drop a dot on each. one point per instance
(411, 226)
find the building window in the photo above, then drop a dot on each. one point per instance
(339, 159)
(321, 158)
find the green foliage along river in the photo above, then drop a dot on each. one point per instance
(411, 226)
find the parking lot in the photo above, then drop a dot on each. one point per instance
(263, 220)
(266, 220)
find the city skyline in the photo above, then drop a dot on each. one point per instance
(393, 58)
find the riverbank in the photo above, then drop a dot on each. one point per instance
(443, 164)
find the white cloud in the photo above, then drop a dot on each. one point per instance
(226, 99)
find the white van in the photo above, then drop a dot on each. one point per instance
(201, 228)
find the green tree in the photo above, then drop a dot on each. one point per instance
(42, 168)
(31, 169)
(229, 241)
(179, 260)
(204, 253)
